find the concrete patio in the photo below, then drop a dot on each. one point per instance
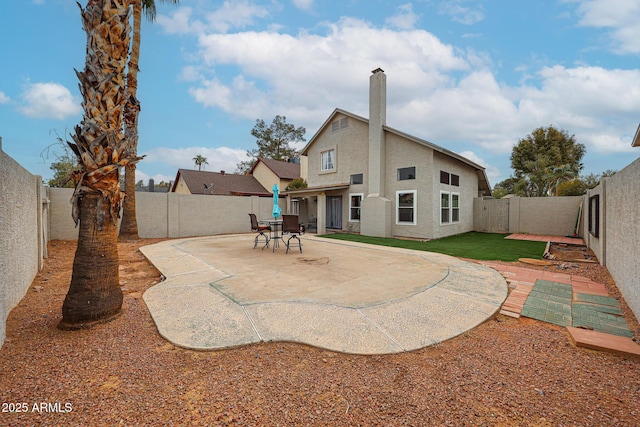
(219, 292)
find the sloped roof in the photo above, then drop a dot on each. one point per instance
(220, 184)
(283, 170)
(480, 170)
(636, 139)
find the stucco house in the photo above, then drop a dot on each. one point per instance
(367, 177)
(217, 183)
(269, 172)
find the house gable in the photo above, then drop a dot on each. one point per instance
(216, 183)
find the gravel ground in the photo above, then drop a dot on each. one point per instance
(506, 372)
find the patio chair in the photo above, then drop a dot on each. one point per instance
(291, 225)
(260, 229)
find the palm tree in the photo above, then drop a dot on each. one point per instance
(94, 294)
(559, 174)
(129, 223)
(200, 160)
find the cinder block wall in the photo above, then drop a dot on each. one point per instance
(21, 237)
(620, 228)
(554, 216)
(173, 215)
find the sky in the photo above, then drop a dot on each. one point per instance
(472, 76)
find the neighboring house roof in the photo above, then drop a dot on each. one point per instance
(636, 139)
(483, 182)
(283, 170)
(220, 184)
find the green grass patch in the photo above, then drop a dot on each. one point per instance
(473, 245)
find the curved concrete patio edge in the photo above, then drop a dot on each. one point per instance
(191, 312)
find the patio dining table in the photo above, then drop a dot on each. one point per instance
(276, 233)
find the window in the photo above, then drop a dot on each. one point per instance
(340, 124)
(455, 207)
(356, 179)
(444, 177)
(295, 207)
(594, 215)
(455, 180)
(406, 207)
(406, 173)
(355, 203)
(449, 207)
(328, 160)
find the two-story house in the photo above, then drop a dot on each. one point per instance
(366, 177)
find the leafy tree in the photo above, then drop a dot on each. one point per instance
(273, 142)
(507, 187)
(62, 171)
(94, 294)
(575, 187)
(297, 184)
(129, 224)
(499, 193)
(542, 159)
(200, 160)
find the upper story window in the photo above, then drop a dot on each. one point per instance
(406, 173)
(340, 124)
(449, 178)
(356, 179)
(328, 160)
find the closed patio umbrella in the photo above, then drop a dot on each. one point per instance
(276, 207)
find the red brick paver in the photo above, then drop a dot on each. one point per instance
(521, 281)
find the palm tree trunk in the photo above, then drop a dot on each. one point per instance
(94, 294)
(129, 223)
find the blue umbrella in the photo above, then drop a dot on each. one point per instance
(276, 208)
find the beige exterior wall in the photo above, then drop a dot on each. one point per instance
(181, 187)
(173, 215)
(554, 216)
(23, 238)
(468, 190)
(401, 153)
(351, 150)
(620, 230)
(267, 178)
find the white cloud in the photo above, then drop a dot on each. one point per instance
(231, 15)
(434, 91)
(406, 19)
(49, 100)
(4, 99)
(221, 158)
(492, 172)
(621, 17)
(303, 4)
(460, 12)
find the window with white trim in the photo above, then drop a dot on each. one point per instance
(406, 203)
(328, 160)
(355, 204)
(449, 207)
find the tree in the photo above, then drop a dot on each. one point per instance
(94, 293)
(200, 160)
(505, 187)
(297, 184)
(129, 223)
(534, 158)
(273, 142)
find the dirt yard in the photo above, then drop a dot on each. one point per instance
(506, 372)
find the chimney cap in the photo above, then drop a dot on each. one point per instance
(377, 70)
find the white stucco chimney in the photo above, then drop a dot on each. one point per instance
(377, 119)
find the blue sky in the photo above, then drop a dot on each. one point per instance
(473, 76)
